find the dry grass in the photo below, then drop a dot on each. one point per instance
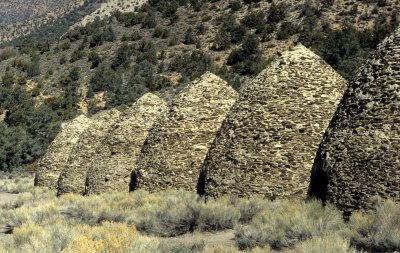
(122, 222)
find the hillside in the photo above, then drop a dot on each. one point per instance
(18, 17)
(105, 9)
(161, 47)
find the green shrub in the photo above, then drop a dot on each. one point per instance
(77, 55)
(161, 32)
(192, 64)
(276, 12)
(190, 36)
(287, 29)
(122, 56)
(95, 59)
(235, 5)
(255, 20)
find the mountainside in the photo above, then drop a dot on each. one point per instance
(164, 45)
(108, 7)
(18, 17)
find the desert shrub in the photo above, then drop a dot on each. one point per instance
(62, 237)
(250, 1)
(16, 185)
(191, 245)
(95, 59)
(149, 20)
(222, 40)
(43, 215)
(285, 223)
(34, 238)
(27, 129)
(248, 208)
(326, 244)
(175, 216)
(377, 230)
(344, 49)
(8, 79)
(63, 59)
(108, 223)
(128, 18)
(101, 35)
(110, 237)
(34, 66)
(6, 53)
(217, 215)
(134, 36)
(147, 51)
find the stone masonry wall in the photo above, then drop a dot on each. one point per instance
(268, 142)
(73, 175)
(112, 168)
(57, 154)
(178, 142)
(359, 157)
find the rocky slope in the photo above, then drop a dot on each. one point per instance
(18, 18)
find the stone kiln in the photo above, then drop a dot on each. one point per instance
(178, 142)
(359, 155)
(58, 152)
(111, 169)
(73, 175)
(267, 144)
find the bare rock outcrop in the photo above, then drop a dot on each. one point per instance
(267, 144)
(73, 175)
(57, 154)
(178, 142)
(359, 156)
(112, 168)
